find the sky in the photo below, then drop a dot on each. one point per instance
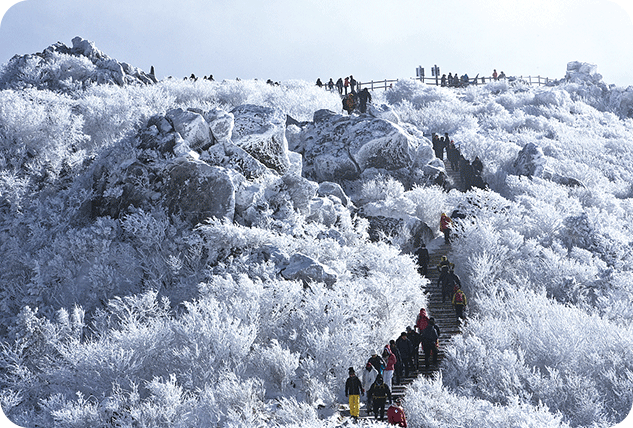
(310, 39)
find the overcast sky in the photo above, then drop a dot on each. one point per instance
(306, 39)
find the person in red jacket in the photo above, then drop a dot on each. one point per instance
(391, 359)
(445, 226)
(395, 414)
(422, 321)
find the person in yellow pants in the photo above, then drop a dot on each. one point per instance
(353, 390)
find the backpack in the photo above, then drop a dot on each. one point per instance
(459, 298)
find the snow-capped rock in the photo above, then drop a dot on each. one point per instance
(337, 147)
(260, 131)
(530, 161)
(192, 128)
(221, 124)
(197, 191)
(308, 270)
(65, 69)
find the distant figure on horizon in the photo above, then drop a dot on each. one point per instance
(319, 83)
(339, 86)
(502, 75)
(330, 84)
(352, 83)
(363, 97)
(346, 84)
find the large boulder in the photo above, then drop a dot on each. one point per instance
(303, 268)
(192, 128)
(327, 188)
(221, 124)
(337, 147)
(197, 191)
(261, 131)
(300, 190)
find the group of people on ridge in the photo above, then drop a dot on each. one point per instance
(347, 88)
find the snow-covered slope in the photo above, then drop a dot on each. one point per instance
(197, 253)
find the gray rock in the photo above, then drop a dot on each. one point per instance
(308, 270)
(197, 191)
(221, 124)
(300, 190)
(260, 131)
(337, 148)
(328, 188)
(530, 161)
(192, 128)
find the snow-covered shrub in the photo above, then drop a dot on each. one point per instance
(429, 404)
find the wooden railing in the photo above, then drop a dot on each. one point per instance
(386, 84)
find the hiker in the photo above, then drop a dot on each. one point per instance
(422, 320)
(452, 154)
(443, 267)
(423, 259)
(352, 84)
(502, 75)
(459, 302)
(319, 83)
(445, 226)
(346, 84)
(363, 97)
(330, 84)
(450, 281)
(349, 103)
(395, 414)
(466, 172)
(379, 392)
(415, 339)
(430, 337)
(494, 74)
(398, 367)
(391, 359)
(444, 262)
(406, 352)
(353, 390)
(377, 362)
(438, 148)
(443, 80)
(368, 378)
(339, 86)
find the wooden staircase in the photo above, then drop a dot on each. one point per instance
(445, 319)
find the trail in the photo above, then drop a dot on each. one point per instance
(443, 312)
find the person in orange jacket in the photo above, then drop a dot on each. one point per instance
(395, 414)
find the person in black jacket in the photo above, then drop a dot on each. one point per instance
(406, 350)
(353, 390)
(415, 339)
(379, 392)
(363, 98)
(430, 336)
(423, 259)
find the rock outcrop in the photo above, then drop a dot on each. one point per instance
(83, 65)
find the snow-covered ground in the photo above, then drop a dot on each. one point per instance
(198, 253)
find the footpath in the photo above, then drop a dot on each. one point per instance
(443, 312)
(445, 319)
